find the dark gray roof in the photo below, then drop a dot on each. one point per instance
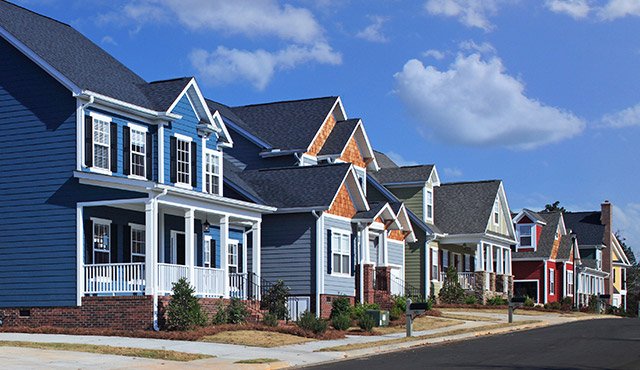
(287, 125)
(587, 226)
(299, 186)
(374, 208)
(163, 93)
(81, 61)
(339, 137)
(547, 237)
(225, 111)
(383, 160)
(591, 263)
(564, 250)
(464, 207)
(406, 174)
(232, 177)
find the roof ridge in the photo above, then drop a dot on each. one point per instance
(38, 14)
(301, 167)
(170, 80)
(284, 101)
(470, 182)
(417, 165)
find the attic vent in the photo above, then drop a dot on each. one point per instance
(24, 312)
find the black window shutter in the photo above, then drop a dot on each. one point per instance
(113, 243)
(240, 258)
(353, 257)
(329, 256)
(213, 254)
(114, 147)
(173, 165)
(149, 160)
(194, 164)
(88, 242)
(126, 150)
(472, 264)
(88, 141)
(126, 245)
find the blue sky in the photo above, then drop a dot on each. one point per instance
(542, 94)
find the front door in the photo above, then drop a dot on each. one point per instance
(177, 248)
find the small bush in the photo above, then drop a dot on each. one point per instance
(340, 306)
(360, 310)
(451, 291)
(366, 323)
(270, 319)
(528, 302)
(398, 308)
(593, 303)
(497, 301)
(566, 304)
(275, 300)
(553, 306)
(236, 312)
(184, 311)
(221, 316)
(309, 322)
(470, 299)
(341, 322)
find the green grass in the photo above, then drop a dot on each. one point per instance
(257, 361)
(157, 354)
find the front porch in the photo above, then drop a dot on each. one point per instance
(140, 247)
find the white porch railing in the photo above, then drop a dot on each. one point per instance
(169, 274)
(238, 285)
(467, 280)
(209, 282)
(114, 278)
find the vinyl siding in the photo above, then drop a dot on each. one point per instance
(503, 226)
(334, 284)
(396, 253)
(412, 198)
(415, 260)
(287, 251)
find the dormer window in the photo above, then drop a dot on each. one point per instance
(525, 234)
(429, 205)
(496, 213)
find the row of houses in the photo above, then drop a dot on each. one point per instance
(135, 184)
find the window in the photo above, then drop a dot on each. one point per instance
(138, 152)
(212, 172)
(183, 158)
(101, 241)
(569, 282)
(206, 252)
(429, 209)
(467, 262)
(434, 264)
(233, 257)
(496, 213)
(137, 243)
(340, 253)
(524, 232)
(552, 282)
(101, 142)
(445, 260)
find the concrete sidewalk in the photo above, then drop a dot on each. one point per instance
(226, 354)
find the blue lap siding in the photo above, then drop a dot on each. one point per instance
(337, 284)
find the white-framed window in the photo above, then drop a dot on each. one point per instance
(101, 240)
(340, 252)
(183, 161)
(552, 281)
(496, 213)
(138, 151)
(467, 262)
(206, 251)
(101, 143)
(569, 282)
(434, 264)
(138, 239)
(212, 170)
(429, 203)
(445, 260)
(361, 174)
(525, 235)
(233, 256)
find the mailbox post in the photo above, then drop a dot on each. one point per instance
(413, 310)
(514, 303)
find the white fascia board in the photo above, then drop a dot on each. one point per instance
(528, 213)
(235, 127)
(434, 171)
(325, 121)
(138, 110)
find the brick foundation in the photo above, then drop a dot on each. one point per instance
(492, 281)
(326, 301)
(368, 290)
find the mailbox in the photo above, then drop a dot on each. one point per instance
(604, 296)
(419, 306)
(518, 299)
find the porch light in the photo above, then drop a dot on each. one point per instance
(206, 226)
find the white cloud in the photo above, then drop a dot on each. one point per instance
(224, 65)
(484, 48)
(400, 160)
(452, 172)
(472, 13)
(624, 118)
(475, 102)
(577, 9)
(626, 219)
(109, 40)
(373, 32)
(435, 54)
(619, 9)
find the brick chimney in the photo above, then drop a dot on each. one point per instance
(606, 218)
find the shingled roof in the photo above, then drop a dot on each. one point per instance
(162, 94)
(547, 238)
(406, 174)
(464, 207)
(339, 137)
(286, 125)
(587, 226)
(384, 161)
(299, 186)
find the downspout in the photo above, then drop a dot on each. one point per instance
(155, 272)
(90, 102)
(427, 261)
(361, 267)
(319, 228)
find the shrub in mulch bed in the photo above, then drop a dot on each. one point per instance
(503, 307)
(193, 335)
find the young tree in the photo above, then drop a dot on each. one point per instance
(184, 311)
(452, 291)
(633, 275)
(554, 207)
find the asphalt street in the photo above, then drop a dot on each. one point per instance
(588, 344)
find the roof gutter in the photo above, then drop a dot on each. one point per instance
(145, 112)
(279, 152)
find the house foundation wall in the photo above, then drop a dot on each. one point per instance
(326, 301)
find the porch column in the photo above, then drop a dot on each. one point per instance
(385, 249)
(150, 241)
(479, 258)
(256, 253)
(224, 254)
(161, 256)
(365, 245)
(189, 245)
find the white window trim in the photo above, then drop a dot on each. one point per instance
(572, 283)
(136, 227)
(427, 204)
(103, 222)
(205, 246)
(107, 120)
(218, 155)
(183, 137)
(144, 130)
(552, 281)
(533, 236)
(342, 233)
(236, 243)
(178, 183)
(495, 210)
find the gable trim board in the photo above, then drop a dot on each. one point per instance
(337, 103)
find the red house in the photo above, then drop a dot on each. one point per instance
(543, 257)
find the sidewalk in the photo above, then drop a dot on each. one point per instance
(293, 355)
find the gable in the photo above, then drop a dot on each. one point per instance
(352, 154)
(343, 204)
(505, 225)
(322, 135)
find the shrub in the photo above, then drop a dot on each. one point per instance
(566, 304)
(270, 319)
(184, 311)
(275, 300)
(497, 301)
(341, 322)
(236, 312)
(398, 308)
(593, 303)
(221, 316)
(553, 306)
(471, 299)
(366, 323)
(340, 306)
(451, 291)
(309, 322)
(360, 309)
(528, 302)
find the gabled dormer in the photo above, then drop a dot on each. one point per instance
(500, 222)
(528, 226)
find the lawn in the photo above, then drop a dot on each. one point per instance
(255, 338)
(258, 361)
(450, 315)
(157, 354)
(419, 324)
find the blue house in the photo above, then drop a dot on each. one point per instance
(326, 239)
(112, 186)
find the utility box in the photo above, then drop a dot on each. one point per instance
(381, 318)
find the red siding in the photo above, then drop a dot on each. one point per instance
(559, 281)
(529, 270)
(538, 233)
